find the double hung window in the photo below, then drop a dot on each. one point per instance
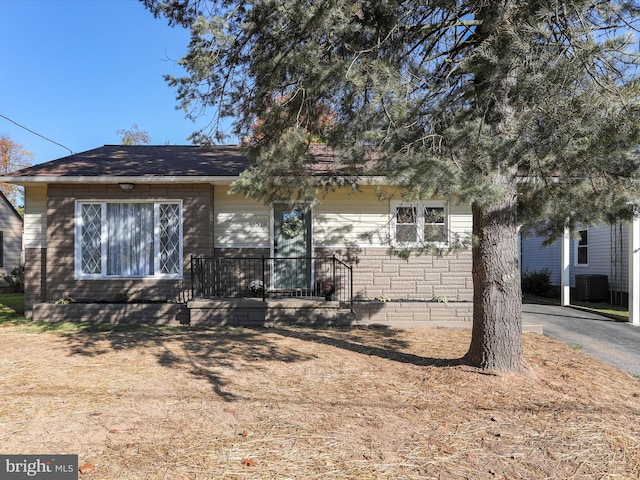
(418, 223)
(582, 248)
(118, 239)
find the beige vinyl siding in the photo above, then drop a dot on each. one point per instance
(341, 218)
(351, 219)
(361, 219)
(461, 219)
(239, 222)
(35, 217)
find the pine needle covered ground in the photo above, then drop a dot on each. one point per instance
(150, 403)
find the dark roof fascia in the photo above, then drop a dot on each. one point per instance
(50, 179)
(28, 181)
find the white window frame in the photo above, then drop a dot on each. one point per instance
(420, 223)
(578, 247)
(79, 275)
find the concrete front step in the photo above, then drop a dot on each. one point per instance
(250, 311)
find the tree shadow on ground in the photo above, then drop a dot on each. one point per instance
(386, 346)
(211, 354)
(218, 355)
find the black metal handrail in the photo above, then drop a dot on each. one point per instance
(262, 277)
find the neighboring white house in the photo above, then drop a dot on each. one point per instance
(596, 264)
(10, 236)
(599, 250)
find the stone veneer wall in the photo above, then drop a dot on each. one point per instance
(376, 272)
(407, 313)
(299, 311)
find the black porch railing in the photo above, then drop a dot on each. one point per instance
(268, 277)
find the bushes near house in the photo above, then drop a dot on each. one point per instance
(15, 279)
(537, 282)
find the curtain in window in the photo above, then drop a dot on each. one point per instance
(130, 237)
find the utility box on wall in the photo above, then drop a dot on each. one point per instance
(592, 287)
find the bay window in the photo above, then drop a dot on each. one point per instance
(124, 240)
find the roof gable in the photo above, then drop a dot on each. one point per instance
(9, 206)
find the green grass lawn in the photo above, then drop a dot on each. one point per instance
(603, 308)
(11, 305)
(12, 314)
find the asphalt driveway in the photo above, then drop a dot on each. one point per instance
(617, 343)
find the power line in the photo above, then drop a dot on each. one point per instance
(36, 133)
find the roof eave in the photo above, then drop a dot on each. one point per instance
(149, 180)
(103, 180)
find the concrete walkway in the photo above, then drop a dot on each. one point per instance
(617, 343)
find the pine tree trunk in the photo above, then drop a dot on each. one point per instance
(496, 340)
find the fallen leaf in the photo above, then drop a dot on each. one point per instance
(86, 468)
(113, 431)
(248, 462)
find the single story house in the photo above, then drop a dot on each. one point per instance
(127, 225)
(10, 236)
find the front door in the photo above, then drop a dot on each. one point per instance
(291, 247)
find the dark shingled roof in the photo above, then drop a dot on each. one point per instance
(160, 164)
(144, 161)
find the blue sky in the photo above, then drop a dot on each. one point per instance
(76, 71)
